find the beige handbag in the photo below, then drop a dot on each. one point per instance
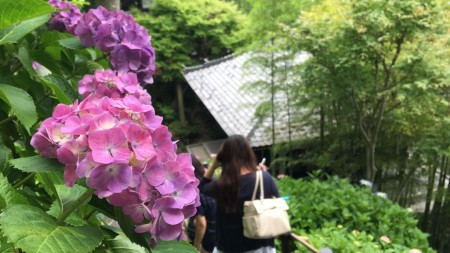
(265, 218)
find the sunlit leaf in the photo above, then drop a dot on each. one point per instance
(16, 32)
(174, 246)
(66, 196)
(34, 231)
(15, 11)
(37, 164)
(121, 244)
(21, 104)
(8, 195)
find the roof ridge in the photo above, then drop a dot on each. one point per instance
(208, 63)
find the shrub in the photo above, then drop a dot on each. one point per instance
(322, 209)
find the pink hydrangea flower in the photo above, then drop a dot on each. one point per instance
(109, 146)
(114, 139)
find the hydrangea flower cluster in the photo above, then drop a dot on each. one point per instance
(115, 140)
(64, 20)
(116, 34)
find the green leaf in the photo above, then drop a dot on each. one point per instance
(102, 206)
(32, 230)
(21, 104)
(12, 12)
(5, 155)
(5, 246)
(66, 196)
(174, 246)
(37, 164)
(15, 32)
(62, 89)
(24, 57)
(92, 66)
(8, 195)
(71, 43)
(48, 181)
(121, 244)
(127, 225)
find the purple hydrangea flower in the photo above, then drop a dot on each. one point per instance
(128, 58)
(109, 178)
(67, 18)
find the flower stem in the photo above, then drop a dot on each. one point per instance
(63, 216)
(23, 181)
(7, 120)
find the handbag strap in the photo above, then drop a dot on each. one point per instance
(259, 181)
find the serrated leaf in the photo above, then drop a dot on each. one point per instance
(12, 12)
(8, 195)
(15, 32)
(127, 225)
(92, 66)
(24, 57)
(48, 181)
(61, 88)
(34, 231)
(121, 244)
(71, 43)
(37, 164)
(21, 104)
(5, 246)
(66, 196)
(174, 246)
(5, 156)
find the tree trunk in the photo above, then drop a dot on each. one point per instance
(430, 189)
(181, 104)
(111, 5)
(322, 127)
(371, 170)
(436, 212)
(444, 230)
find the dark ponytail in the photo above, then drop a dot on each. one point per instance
(234, 154)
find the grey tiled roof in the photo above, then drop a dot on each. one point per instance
(219, 85)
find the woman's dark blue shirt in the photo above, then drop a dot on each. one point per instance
(207, 208)
(229, 229)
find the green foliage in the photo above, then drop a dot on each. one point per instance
(80, 3)
(8, 195)
(185, 32)
(374, 72)
(13, 12)
(66, 197)
(33, 230)
(173, 247)
(15, 32)
(330, 210)
(121, 244)
(340, 240)
(37, 164)
(21, 104)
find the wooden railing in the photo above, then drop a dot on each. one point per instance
(287, 244)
